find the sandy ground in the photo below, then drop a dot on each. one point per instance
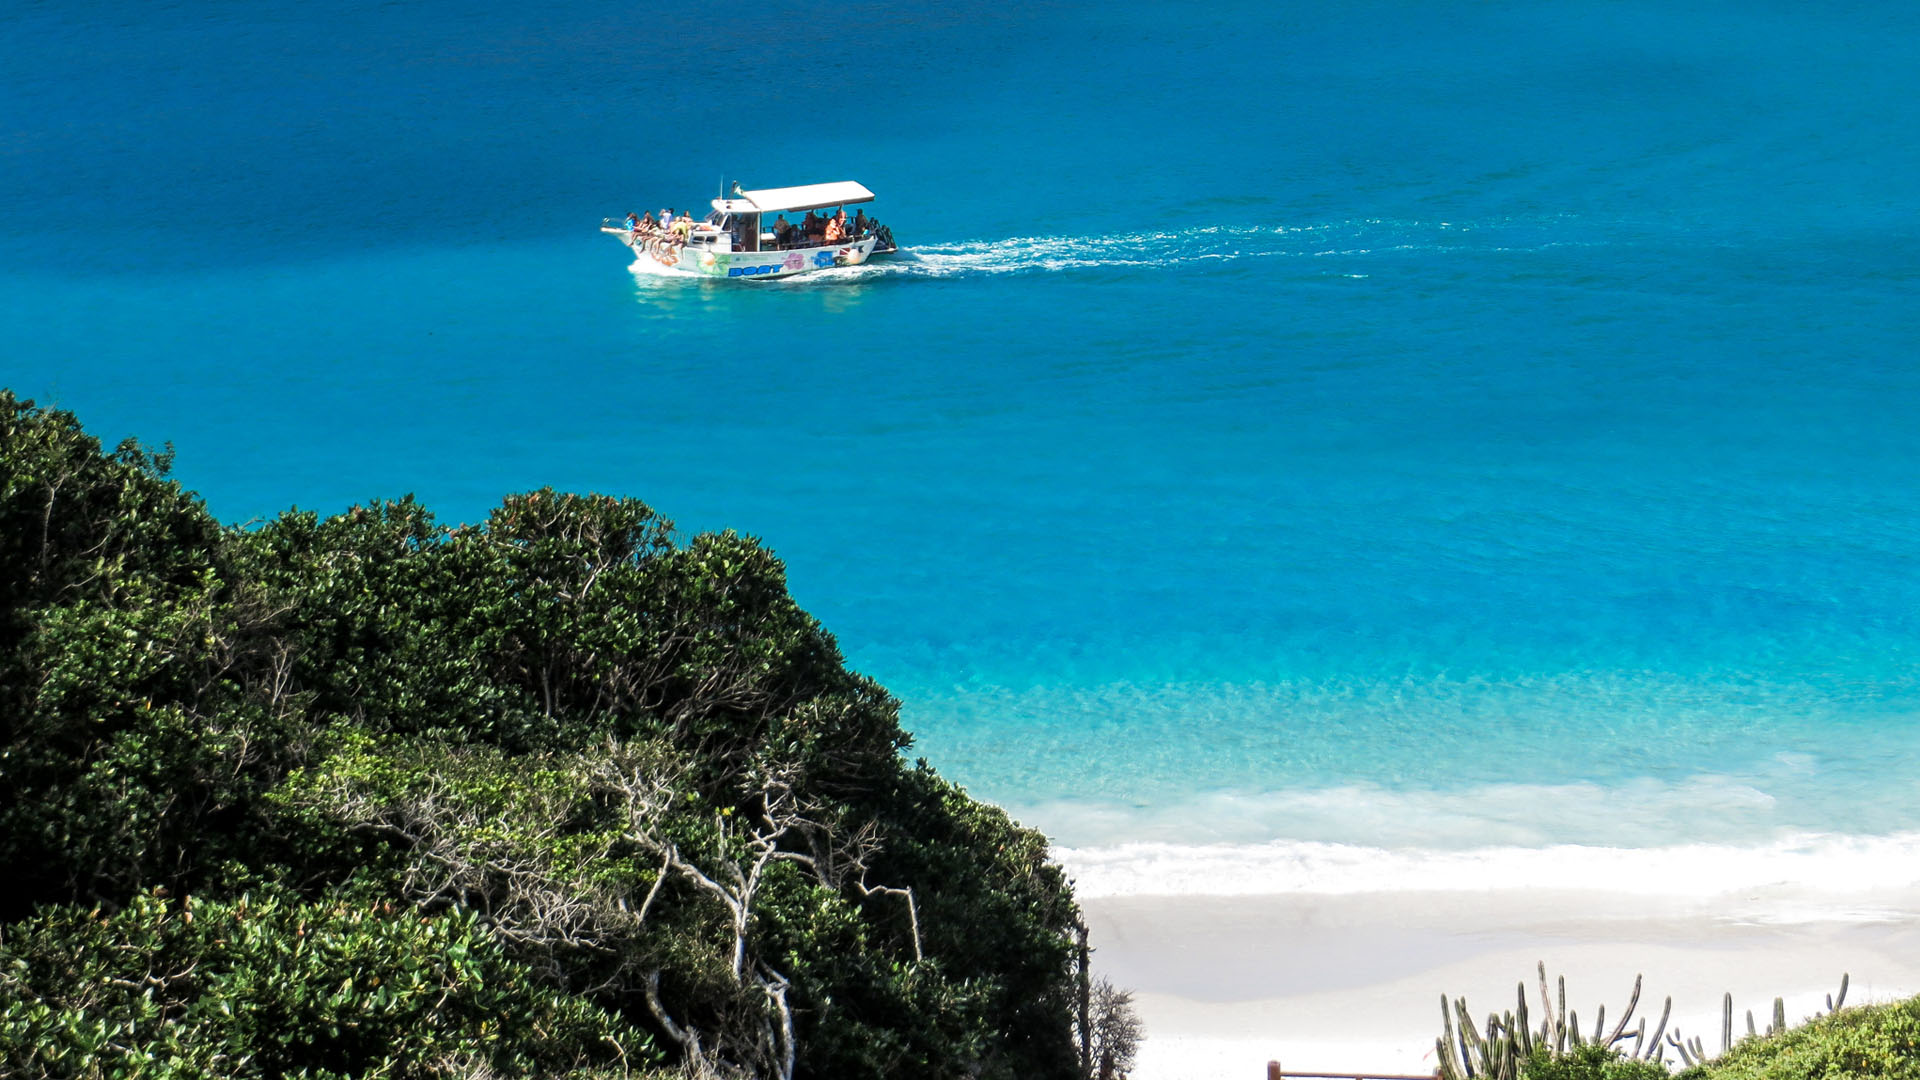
(1325, 983)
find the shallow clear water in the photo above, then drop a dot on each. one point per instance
(1423, 429)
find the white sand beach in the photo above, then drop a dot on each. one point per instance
(1352, 981)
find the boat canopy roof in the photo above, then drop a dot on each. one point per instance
(804, 197)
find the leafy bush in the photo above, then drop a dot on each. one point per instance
(1865, 1042)
(1589, 1062)
(267, 985)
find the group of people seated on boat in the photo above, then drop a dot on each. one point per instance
(673, 227)
(816, 230)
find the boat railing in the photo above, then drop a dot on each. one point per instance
(801, 242)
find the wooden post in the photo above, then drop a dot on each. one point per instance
(1273, 1071)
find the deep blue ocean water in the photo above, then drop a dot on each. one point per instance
(1415, 426)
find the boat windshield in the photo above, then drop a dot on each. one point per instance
(744, 228)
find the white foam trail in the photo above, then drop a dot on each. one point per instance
(1169, 248)
(651, 269)
(1788, 880)
(1030, 254)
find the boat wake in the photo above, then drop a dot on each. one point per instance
(1335, 249)
(647, 268)
(1146, 250)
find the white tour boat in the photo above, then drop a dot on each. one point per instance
(747, 235)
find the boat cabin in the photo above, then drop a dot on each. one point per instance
(746, 221)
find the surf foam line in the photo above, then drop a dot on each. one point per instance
(1794, 878)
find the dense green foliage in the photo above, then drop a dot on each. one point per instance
(1863, 1042)
(369, 796)
(268, 985)
(1588, 1062)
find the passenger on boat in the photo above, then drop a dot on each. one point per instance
(836, 228)
(811, 226)
(683, 228)
(633, 222)
(782, 232)
(861, 223)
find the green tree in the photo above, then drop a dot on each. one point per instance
(131, 723)
(630, 765)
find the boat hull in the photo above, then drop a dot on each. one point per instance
(753, 265)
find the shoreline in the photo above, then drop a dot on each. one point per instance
(1328, 982)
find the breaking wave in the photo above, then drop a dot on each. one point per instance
(1796, 878)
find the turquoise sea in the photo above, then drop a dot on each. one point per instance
(1389, 427)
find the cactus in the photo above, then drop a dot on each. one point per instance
(1447, 1060)
(1546, 1006)
(1560, 1034)
(1511, 1038)
(1449, 1069)
(1620, 1029)
(1525, 1033)
(1500, 1061)
(1691, 1051)
(1465, 1054)
(1470, 1039)
(1654, 1049)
